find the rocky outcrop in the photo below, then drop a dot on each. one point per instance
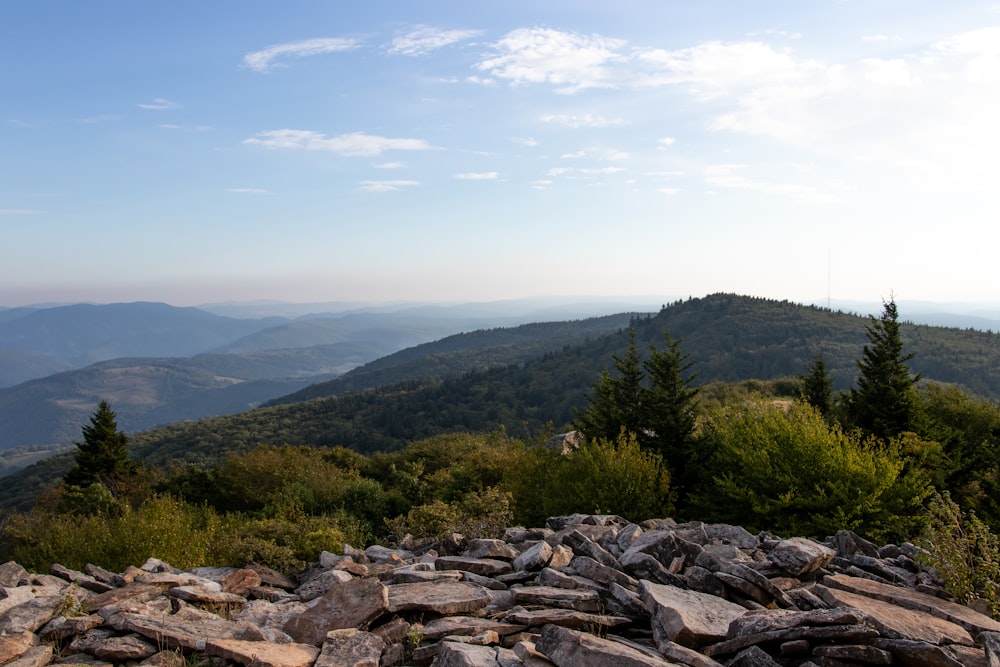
(584, 590)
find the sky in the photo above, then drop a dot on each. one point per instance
(197, 152)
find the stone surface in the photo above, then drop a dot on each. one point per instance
(445, 598)
(352, 604)
(263, 654)
(351, 648)
(689, 618)
(571, 648)
(799, 556)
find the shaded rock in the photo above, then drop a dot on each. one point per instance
(209, 596)
(534, 557)
(566, 618)
(467, 625)
(590, 568)
(130, 594)
(352, 604)
(445, 598)
(322, 583)
(753, 623)
(570, 648)
(263, 654)
(63, 627)
(456, 654)
(753, 657)
(869, 655)
(798, 556)
(563, 598)
(270, 577)
(31, 615)
(486, 567)
(79, 578)
(584, 546)
(12, 575)
(240, 582)
(187, 629)
(920, 654)
(483, 548)
(102, 644)
(351, 648)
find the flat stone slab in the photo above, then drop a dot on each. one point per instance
(485, 567)
(263, 654)
(968, 618)
(895, 622)
(352, 604)
(565, 598)
(467, 626)
(581, 649)
(446, 598)
(354, 648)
(566, 618)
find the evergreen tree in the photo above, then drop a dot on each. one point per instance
(885, 403)
(102, 457)
(617, 401)
(670, 409)
(817, 386)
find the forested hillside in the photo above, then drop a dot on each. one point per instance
(727, 338)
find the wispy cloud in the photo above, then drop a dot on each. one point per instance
(881, 38)
(264, 60)
(159, 104)
(582, 120)
(185, 128)
(249, 191)
(567, 60)
(390, 165)
(609, 154)
(424, 39)
(731, 176)
(354, 144)
(525, 141)
(387, 186)
(477, 176)
(665, 142)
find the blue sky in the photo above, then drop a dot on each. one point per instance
(194, 152)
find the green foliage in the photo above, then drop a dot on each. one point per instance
(479, 514)
(103, 455)
(604, 476)
(886, 402)
(817, 386)
(783, 469)
(963, 551)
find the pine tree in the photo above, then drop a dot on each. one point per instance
(670, 408)
(102, 457)
(885, 403)
(817, 386)
(616, 404)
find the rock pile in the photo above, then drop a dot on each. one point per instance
(585, 590)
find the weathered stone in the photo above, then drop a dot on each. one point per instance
(566, 618)
(558, 579)
(270, 618)
(799, 556)
(239, 582)
(897, 622)
(380, 554)
(488, 548)
(584, 546)
(569, 648)
(753, 656)
(14, 645)
(403, 575)
(132, 593)
(689, 618)
(12, 597)
(753, 623)
(36, 656)
(563, 598)
(641, 565)
(467, 625)
(456, 654)
(31, 615)
(991, 646)
(603, 574)
(204, 595)
(868, 655)
(921, 654)
(562, 555)
(63, 627)
(969, 619)
(825, 633)
(273, 578)
(534, 557)
(663, 545)
(79, 578)
(187, 629)
(427, 652)
(102, 644)
(445, 598)
(12, 575)
(164, 659)
(319, 585)
(351, 648)
(485, 567)
(352, 604)
(263, 654)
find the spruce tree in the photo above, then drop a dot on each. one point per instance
(885, 402)
(102, 457)
(670, 409)
(616, 404)
(817, 386)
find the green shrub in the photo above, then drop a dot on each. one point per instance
(782, 468)
(963, 552)
(479, 514)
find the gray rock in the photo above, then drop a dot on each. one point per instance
(263, 654)
(483, 548)
(689, 618)
(352, 604)
(570, 648)
(12, 575)
(321, 584)
(561, 598)
(486, 567)
(798, 556)
(445, 598)
(351, 648)
(534, 557)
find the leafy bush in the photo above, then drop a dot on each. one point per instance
(612, 477)
(964, 553)
(780, 467)
(480, 514)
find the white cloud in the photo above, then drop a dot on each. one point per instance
(263, 60)
(477, 176)
(666, 142)
(602, 170)
(731, 176)
(390, 165)
(582, 120)
(386, 186)
(159, 104)
(481, 80)
(569, 61)
(881, 38)
(669, 191)
(525, 141)
(352, 144)
(249, 191)
(612, 155)
(424, 39)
